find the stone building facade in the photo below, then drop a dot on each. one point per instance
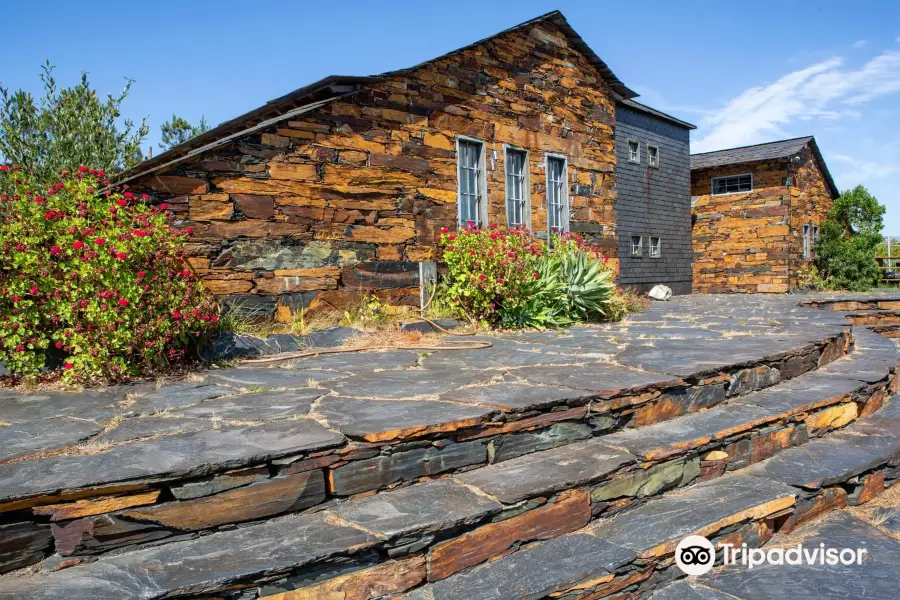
(341, 187)
(653, 211)
(756, 214)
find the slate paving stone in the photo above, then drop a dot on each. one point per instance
(402, 384)
(889, 519)
(194, 453)
(669, 518)
(426, 507)
(19, 439)
(356, 362)
(143, 427)
(196, 566)
(840, 529)
(504, 354)
(561, 468)
(269, 379)
(177, 395)
(577, 341)
(600, 379)
(261, 406)
(826, 461)
(93, 404)
(806, 391)
(379, 420)
(690, 431)
(686, 357)
(536, 572)
(331, 337)
(690, 590)
(514, 397)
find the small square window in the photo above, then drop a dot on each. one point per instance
(654, 247)
(732, 184)
(653, 156)
(634, 152)
(637, 245)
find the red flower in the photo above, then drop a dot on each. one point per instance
(535, 275)
(4, 168)
(122, 202)
(77, 244)
(59, 186)
(58, 345)
(145, 197)
(163, 206)
(20, 348)
(123, 302)
(106, 294)
(16, 298)
(140, 273)
(138, 233)
(69, 366)
(82, 169)
(34, 290)
(38, 200)
(444, 230)
(128, 195)
(213, 319)
(176, 314)
(188, 231)
(100, 241)
(121, 255)
(20, 247)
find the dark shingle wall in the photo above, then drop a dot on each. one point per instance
(654, 201)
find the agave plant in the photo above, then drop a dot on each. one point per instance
(588, 288)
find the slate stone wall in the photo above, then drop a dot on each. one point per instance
(348, 198)
(741, 240)
(653, 201)
(753, 242)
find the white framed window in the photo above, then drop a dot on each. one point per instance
(807, 241)
(655, 247)
(815, 233)
(732, 184)
(634, 151)
(653, 156)
(472, 182)
(518, 192)
(637, 245)
(557, 193)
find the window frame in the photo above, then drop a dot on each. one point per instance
(712, 184)
(658, 253)
(807, 241)
(548, 156)
(526, 185)
(650, 156)
(481, 180)
(630, 158)
(640, 246)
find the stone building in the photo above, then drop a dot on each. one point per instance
(341, 187)
(653, 211)
(756, 213)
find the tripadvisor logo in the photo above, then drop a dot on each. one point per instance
(696, 555)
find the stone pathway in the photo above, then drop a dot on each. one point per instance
(531, 439)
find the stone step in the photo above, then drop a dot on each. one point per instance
(155, 465)
(738, 508)
(433, 530)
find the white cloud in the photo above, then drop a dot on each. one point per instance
(824, 90)
(860, 43)
(852, 169)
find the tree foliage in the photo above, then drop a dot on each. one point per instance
(849, 241)
(66, 128)
(176, 131)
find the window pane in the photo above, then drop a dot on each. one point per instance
(470, 192)
(515, 187)
(556, 194)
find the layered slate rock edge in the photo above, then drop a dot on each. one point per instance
(107, 501)
(457, 522)
(128, 514)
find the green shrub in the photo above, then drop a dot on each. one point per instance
(849, 241)
(94, 280)
(513, 280)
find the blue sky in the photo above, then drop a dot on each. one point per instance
(743, 72)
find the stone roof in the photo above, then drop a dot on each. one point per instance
(333, 87)
(767, 151)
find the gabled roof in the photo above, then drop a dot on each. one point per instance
(336, 86)
(656, 113)
(768, 151)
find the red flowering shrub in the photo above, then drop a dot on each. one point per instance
(490, 270)
(95, 280)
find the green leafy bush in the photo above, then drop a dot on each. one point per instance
(96, 281)
(849, 241)
(513, 280)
